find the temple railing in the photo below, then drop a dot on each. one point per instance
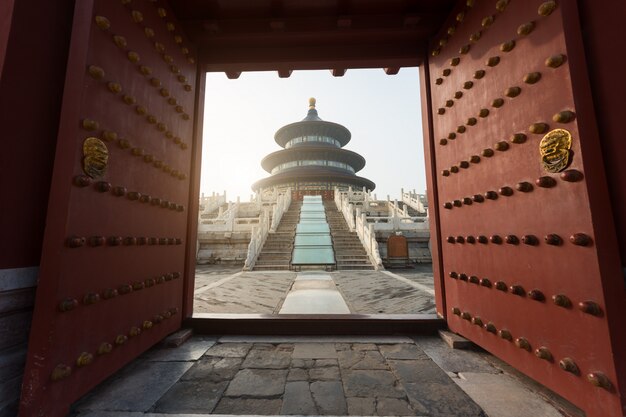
(367, 236)
(259, 235)
(224, 222)
(398, 223)
(343, 205)
(211, 203)
(283, 202)
(412, 199)
(260, 232)
(357, 223)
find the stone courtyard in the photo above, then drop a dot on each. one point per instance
(221, 289)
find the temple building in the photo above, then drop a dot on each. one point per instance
(312, 161)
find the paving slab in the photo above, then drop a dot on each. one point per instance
(128, 391)
(419, 371)
(361, 383)
(328, 373)
(267, 358)
(314, 351)
(298, 400)
(442, 400)
(320, 363)
(361, 406)
(257, 383)
(213, 369)
(362, 359)
(503, 396)
(247, 406)
(302, 363)
(329, 397)
(229, 350)
(454, 360)
(403, 351)
(199, 396)
(393, 407)
(190, 351)
(298, 374)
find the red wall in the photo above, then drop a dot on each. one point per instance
(31, 87)
(603, 31)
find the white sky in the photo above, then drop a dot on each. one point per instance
(382, 112)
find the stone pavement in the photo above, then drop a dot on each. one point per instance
(228, 290)
(366, 376)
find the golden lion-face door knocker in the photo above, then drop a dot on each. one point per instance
(95, 157)
(555, 150)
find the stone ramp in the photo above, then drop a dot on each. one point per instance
(314, 293)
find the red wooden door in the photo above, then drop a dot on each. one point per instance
(527, 246)
(110, 282)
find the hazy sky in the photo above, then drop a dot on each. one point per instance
(382, 112)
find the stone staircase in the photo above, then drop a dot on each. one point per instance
(276, 252)
(349, 252)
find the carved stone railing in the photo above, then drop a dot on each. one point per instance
(283, 202)
(412, 200)
(346, 208)
(367, 236)
(259, 235)
(224, 222)
(211, 203)
(398, 223)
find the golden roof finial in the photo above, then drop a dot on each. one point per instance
(312, 103)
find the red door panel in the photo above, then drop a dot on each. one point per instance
(111, 271)
(527, 248)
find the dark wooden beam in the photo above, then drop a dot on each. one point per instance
(282, 73)
(427, 23)
(338, 72)
(338, 56)
(392, 70)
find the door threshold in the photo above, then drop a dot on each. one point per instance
(314, 324)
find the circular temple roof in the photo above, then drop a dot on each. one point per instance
(307, 152)
(312, 125)
(314, 174)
